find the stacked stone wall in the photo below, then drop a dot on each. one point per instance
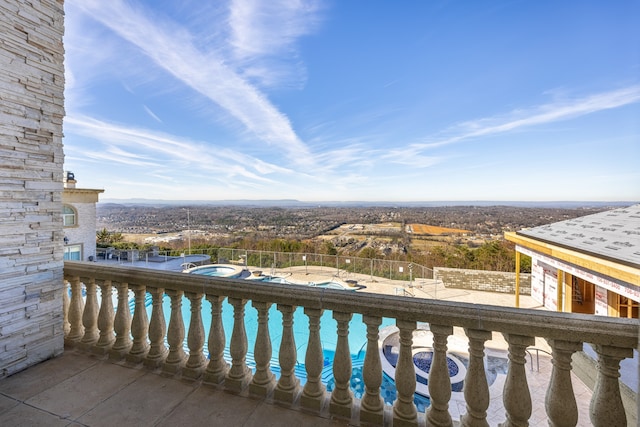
(31, 164)
(481, 280)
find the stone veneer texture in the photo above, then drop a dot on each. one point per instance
(31, 163)
(481, 280)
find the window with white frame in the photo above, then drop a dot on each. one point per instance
(69, 216)
(73, 252)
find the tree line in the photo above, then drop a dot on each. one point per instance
(496, 255)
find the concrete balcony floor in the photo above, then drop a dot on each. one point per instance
(78, 389)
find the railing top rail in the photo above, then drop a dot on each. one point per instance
(600, 330)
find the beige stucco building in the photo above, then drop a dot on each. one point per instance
(79, 220)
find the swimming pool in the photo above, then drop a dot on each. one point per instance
(216, 270)
(328, 338)
(281, 280)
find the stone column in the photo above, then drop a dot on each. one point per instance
(439, 378)
(341, 396)
(288, 385)
(217, 367)
(313, 393)
(175, 335)
(404, 410)
(90, 315)
(263, 380)
(606, 408)
(560, 401)
(516, 396)
(195, 338)
(476, 388)
(372, 405)
(157, 330)
(76, 307)
(122, 324)
(66, 303)
(105, 319)
(139, 326)
(239, 375)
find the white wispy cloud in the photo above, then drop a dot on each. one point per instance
(143, 147)
(560, 110)
(152, 114)
(172, 48)
(263, 37)
(261, 28)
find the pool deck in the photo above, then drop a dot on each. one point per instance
(63, 391)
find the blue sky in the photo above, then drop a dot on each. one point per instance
(354, 100)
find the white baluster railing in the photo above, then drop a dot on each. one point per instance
(342, 397)
(476, 388)
(196, 362)
(175, 334)
(239, 374)
(372, 405)
(122, 323)
(313, 394)
(263, 381)
(157, 330)
(121, 336)
(287, 388)
(217, 368)
(139, 326)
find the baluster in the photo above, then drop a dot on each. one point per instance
(341, 396)
(288, 385)
(195, 339)
(239, 375)
(139, 326)
(76, 330)
(90, 315)
(313, 393)
(175, 335)
(217, 367)
(560, 401)
(66, 326)
(516, 396)
(122, 323)
(439, 378)
(476, 388)
(157, 329)
(263, 380)
(404, 410)
(606, 408)
(372, 405)
(105, 319)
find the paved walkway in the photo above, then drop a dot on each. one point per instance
(78, 389)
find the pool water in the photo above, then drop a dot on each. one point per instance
(217, 271)
(328, 338)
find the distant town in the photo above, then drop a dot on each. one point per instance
(443, 235)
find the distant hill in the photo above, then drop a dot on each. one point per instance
(292, 203)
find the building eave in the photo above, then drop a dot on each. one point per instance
(81, 195)
(607, 267)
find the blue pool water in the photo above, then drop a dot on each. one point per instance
(217, 271)
(328, 329)
(328, 338)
